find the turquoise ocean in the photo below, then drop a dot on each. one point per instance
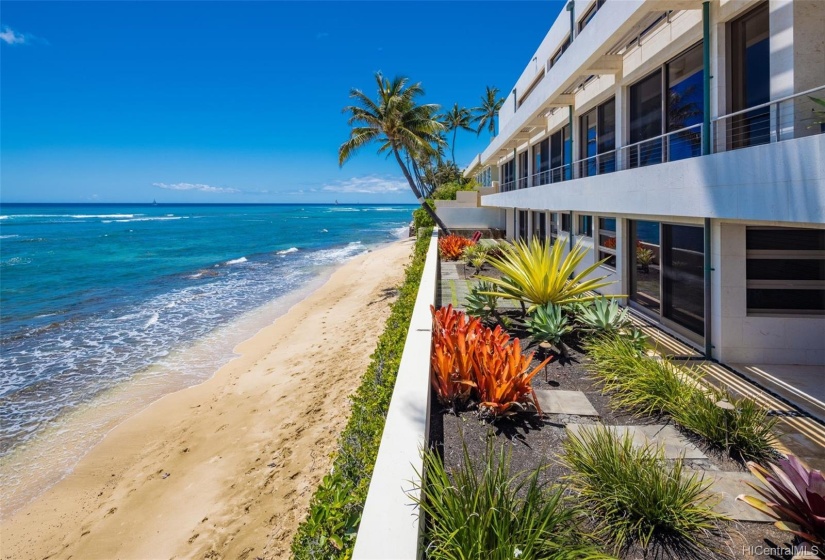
(94, 297)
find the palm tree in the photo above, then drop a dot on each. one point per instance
(400, 127)
(487, 112)
(458, 117)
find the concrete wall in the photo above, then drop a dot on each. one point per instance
(738, 338)
(390, 525)
(782, 182)
(472, 218)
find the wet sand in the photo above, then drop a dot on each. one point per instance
(224, 469)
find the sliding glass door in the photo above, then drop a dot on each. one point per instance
(667, 274)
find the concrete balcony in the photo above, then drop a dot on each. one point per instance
(778, 182)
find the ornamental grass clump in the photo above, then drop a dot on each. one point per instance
(634, 497)
(650, 386)
(488, 512)
(537, 273)
(794, 496)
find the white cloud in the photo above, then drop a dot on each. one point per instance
(370, 184)
(11, 37)
(194, 187)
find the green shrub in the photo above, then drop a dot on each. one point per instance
(655, 386)
(635, 497)
(421, 219)
(491, 514)
(603, 315)
(448, 191)
(335, 509)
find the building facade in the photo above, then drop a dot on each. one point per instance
(681, 142)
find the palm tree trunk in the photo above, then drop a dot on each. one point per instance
(455, 132)
(441, 226)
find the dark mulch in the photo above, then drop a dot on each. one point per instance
(534, 442)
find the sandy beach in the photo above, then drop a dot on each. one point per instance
(224, 469)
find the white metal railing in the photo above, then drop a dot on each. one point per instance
(596, 165)
(554, 175)
(508, 186)
(390, 524)
(672, 146)
(522, 183)
(793, 116)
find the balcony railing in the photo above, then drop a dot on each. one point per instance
(508, 186)
(790, 117)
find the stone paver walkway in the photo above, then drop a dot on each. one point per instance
(574, 403)
(665, 435)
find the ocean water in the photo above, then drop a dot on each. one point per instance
(93, 297)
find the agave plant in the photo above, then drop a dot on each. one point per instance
(604, 316)
(476, 255)
(794, 496)
(636, 338)
(482, 300)
(538, 273)
(549, 324)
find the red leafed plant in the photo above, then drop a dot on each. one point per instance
(503, 376)
(469, 360)
(793, 495)
(455, 336)
(452, 246)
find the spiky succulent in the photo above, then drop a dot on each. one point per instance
(547, 323)
(481, 302)
(604, 316)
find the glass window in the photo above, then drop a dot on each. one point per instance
(585, 225)
(598, 138)
(554, 226)
(685, 104)
(557, 55)
(607, 241)
(646, 120)
(539, 226)
(683, 285)
(590, 13)
(561, 155)
(565, 222)
(785, 270)
(750, 78)
(522, 225)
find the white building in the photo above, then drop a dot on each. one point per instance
(678, 139)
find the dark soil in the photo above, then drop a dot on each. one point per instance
(535, 442)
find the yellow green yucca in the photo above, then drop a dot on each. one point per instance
(538, 273)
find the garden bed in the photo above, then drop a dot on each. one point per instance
(535, 442)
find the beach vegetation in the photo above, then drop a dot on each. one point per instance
(487, 511)
(538, 273)
(633, 496)
(335, 508)
(401, 127)
(448, 190)
(792, 495)
(421, 218)
(452, 246)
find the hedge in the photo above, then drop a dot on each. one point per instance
(335, 509)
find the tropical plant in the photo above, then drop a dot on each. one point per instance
(481, 302)
(452, 246)
(656, 386)
(455, 336)
(401, 127)
(489, 512)
(547, 323)
(458, 118)
(476, 255)
(644, 258)
(603, 315)
(538, 274)
(502, 380)
(635, 496)
(793, 495)
(487, 113)
(448, 190)
(421, 218)
(743, 428)
(635, 337)
(819, 114)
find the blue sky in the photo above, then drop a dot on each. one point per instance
(232, 102)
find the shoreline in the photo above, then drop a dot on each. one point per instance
(196, 438)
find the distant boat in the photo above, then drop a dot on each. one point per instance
(154, 202)
(336, 203)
